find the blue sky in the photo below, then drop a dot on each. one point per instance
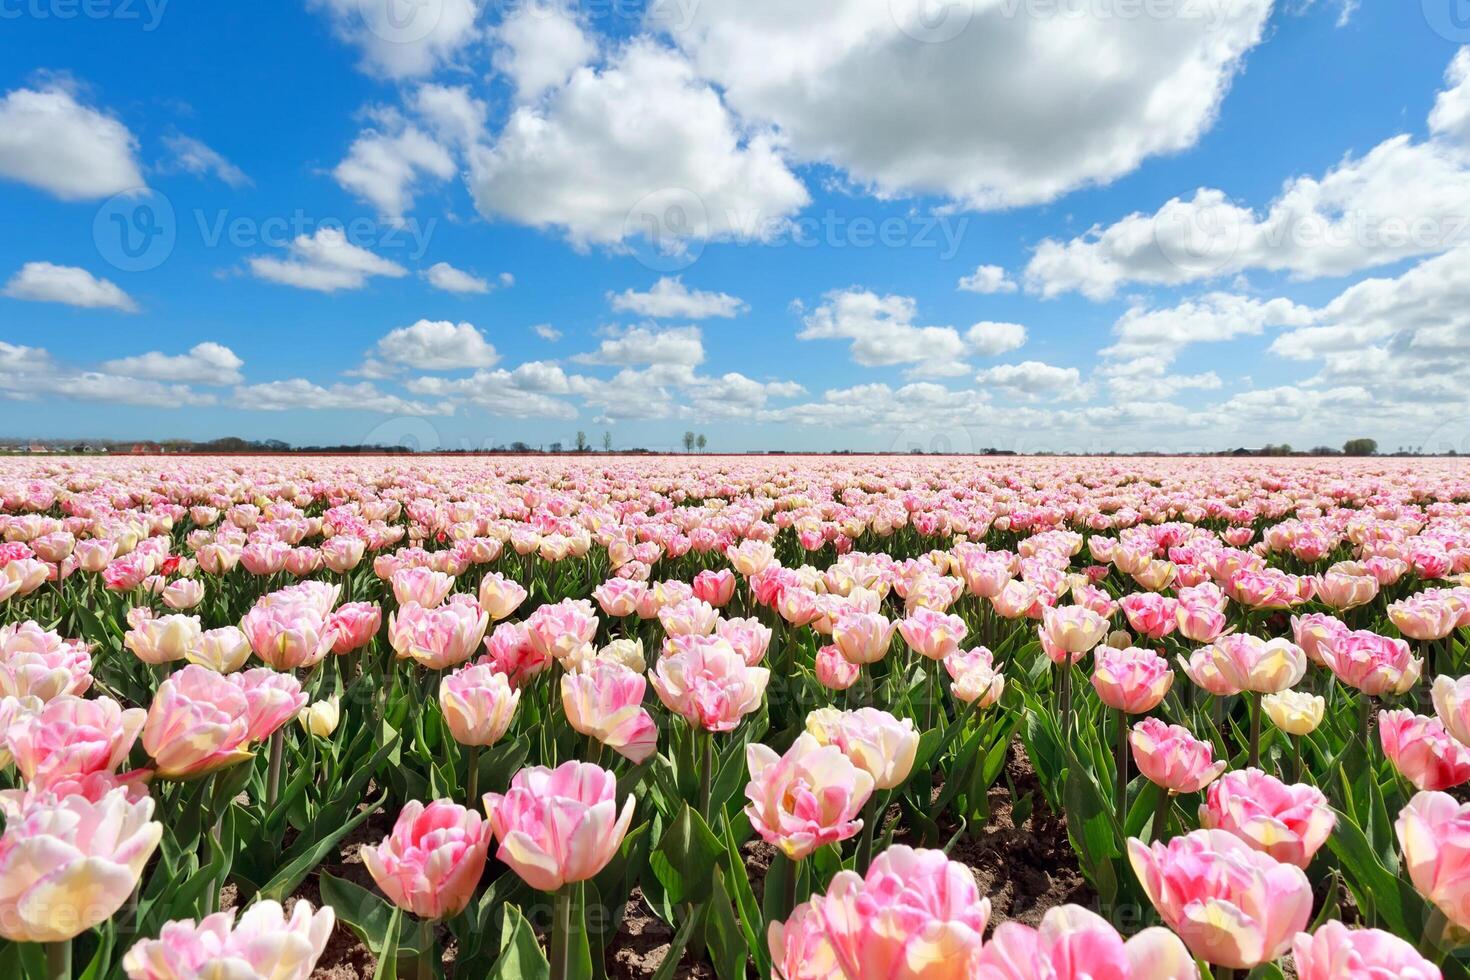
(1032, 224)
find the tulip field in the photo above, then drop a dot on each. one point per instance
(552, 717)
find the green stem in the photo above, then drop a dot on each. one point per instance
(1253, 705)
(1365, 722)
(273, 773)
(1161, 815)
(58, 960)
(426, 947)
(706, 772)
(561, 931)
(472, 780)
(1066, 669)
(865, 842)
(1122, 767)
(1296, 760)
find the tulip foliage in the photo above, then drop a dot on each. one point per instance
(473, 714)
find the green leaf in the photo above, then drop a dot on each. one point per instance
(295, 870)
(521, 957)
(388, 960)
(370, 917)
(723, 935)
(684, 857)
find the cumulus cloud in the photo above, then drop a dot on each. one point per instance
(1033, 379)
(640, 148)
(32, 373)
(1006, 109)
(528, 391)
(442, 275)
(547, 332)
(988, 338)
(538, 46)
(45, 282)
(675, 346)
(1404, 198)
(325, 262)
(384, 168)
(670, 298)
(207, 363)
(988, 279)
(403, 40)
(296, 394)
(50, 140)
(431, 345)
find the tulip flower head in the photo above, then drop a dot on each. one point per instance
(265, 942)
(1171, 757)
(561, 825)
(1290, 823)
(804, 799)
(432, 860)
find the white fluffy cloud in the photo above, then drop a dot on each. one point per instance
(988, 279)
(431, 345)
(640, 147)
(296, 394)
(32, 373)
(385, 168)
(884, 333)
(527, 392)
(325, 262)
(999, 104)
(673, 347)
(50, 140)
(1212, 318)
(547, 332)
(1403, 199)
(207, 363)
(1032, 380)
(670, 298)
(538, 46)
(46, 282)
(403, 38)
(442, 275)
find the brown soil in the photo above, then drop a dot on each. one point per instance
(1025, 870)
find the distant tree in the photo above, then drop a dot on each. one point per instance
(689, 442)
(701, 442)
(519, 447)
(607, 442)
(555, 447)
(1360, 447)
(581, 441)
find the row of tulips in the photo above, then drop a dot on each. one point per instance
(562, 688)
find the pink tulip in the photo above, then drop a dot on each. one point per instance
(265, 943)
(478, 704)
(1290, 823)
(604, 700)
(508, 650)
(162, 639)
(1244, 662)
(1315, 632)
(1346, 591)
(715, 588)
(23, 576)
(1074, 943)
(183, 593)
(558, 826)
(265, 557)
(1424, 617)
(872, 739)
(431, 862)
(688, 617)
(1201, 624)
(560, 629)
(199, 722)
(619, 597)
(1434, 835)
(1335, 952)
(342, 553)
(1074, 629)
(68, 864)
(92, 787)
(1232, 905)
(703, 680)
(1133, 681)
(223, 650)
(271, 699)
(352, 626)
(70, 738)
(1376, 665)
(38, 663)
(439, 637)
(932, 634)
(1451, 696)
(1171, 757)
(809, 797)
(834, 671)
(1422, 750)
(1150, 614)
(422, 586)
(1017, 599)
(287, 633)
(500, 596)
(914, 914)
(749, 637)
